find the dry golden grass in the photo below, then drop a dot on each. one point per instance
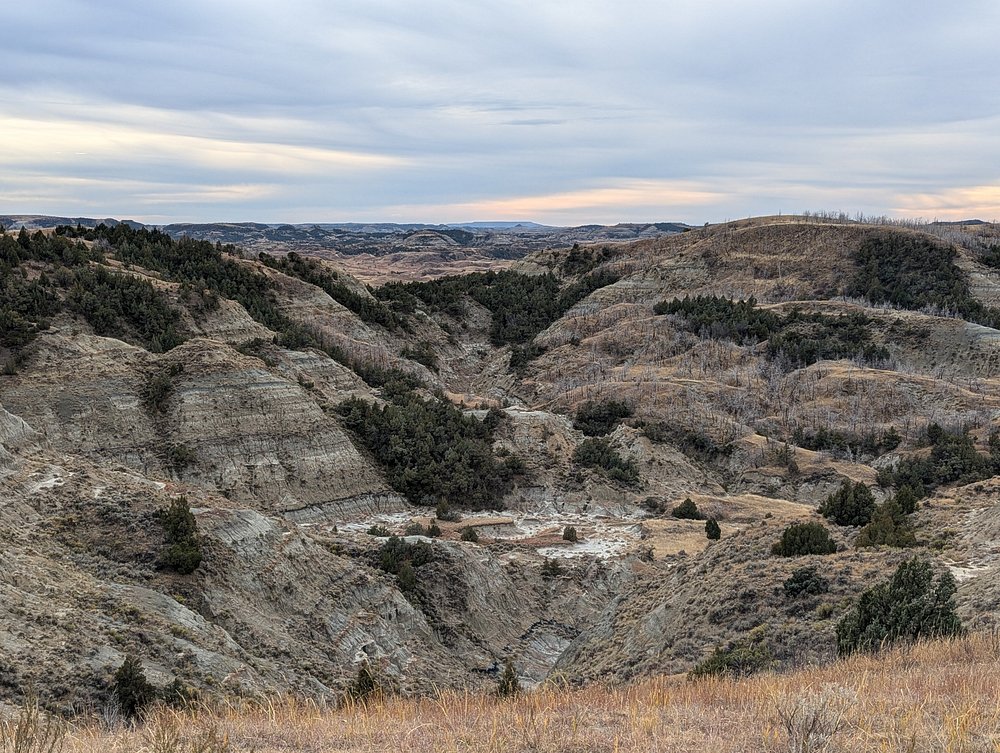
(940, 696)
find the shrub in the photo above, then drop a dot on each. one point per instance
(738, 659)
(569, 534)
(379, 531)
(595, 418)
(157, 392)
(851, 505)
(654, 505)
(366, 685)
(177, 694)
(469, 534)
(909, 606)
(444, 511)
(182, 553)
(394, 552)
(805, 580)
(551, 568)
(687, 510)
(712, 530)
(508, 685)
(415, 529)
(180, 456)
(406, 577)
(131, 688)
(804, 538)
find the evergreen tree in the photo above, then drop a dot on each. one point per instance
(131, 688)
(712, 530)
(907, 500)
(804, 538)
(687, 510)
(183, 550)
(805, 580)
(909, 606)
(851, 505)
(888, 527)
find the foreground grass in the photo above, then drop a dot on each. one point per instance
(939, 696)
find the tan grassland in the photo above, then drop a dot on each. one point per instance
(936, 696)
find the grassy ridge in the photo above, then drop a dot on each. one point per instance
(936, 696)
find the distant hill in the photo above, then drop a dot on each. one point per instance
(505, 240)
(410, 250)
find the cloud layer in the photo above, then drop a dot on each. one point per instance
(561, 112)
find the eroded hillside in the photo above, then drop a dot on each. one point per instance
(753, 368)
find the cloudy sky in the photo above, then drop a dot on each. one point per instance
(556, 111)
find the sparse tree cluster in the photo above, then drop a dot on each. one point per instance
(521, 305)
(798, 338)
(597, 453)
(368, 308)
(953, 458)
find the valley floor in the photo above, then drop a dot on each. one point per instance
(937, 696)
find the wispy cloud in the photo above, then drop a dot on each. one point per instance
(982, 202)
(569, 111)
(607, 203)
(42, 142)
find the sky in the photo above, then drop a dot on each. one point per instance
(556, 111)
